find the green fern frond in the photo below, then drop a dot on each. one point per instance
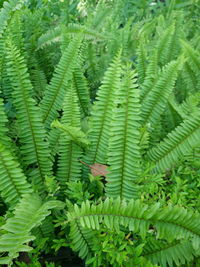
(13, 184)
(55, 92)
(32, 134)
(29, 213)
(123, 152)
(102, 113)
(141, 62)
(177, 143)
(81, 240)
(80, 85)
(167, 254)
(151, 75)
(69, 167)
(4, 139)
(6, 12)
(170, 223)
(155, 101)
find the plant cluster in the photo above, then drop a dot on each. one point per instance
(100, 132)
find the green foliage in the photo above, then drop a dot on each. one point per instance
(99, 122)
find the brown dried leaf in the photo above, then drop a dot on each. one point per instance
(98, 169)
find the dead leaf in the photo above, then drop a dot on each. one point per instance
(98, 169)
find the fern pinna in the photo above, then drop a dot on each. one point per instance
(99, 132)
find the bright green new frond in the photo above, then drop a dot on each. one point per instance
(31, 130)
(13, 184)
(166, 254)
(101, 114)
(55, 92)
(29, 213)
(124, 153)
(154, 103)
(177, 143)
(170, 223)
(69, 166)
(71, 133)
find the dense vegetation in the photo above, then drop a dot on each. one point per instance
(99, 133)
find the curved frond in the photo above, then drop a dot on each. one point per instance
(167, 254)
(177, 143)
(154, 103)
(29, 213)
(170, 223)
(123, 153)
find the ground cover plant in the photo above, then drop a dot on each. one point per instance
(99, 133)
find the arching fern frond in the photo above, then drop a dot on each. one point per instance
(170, 223)
(154, 103)
(177, 143)
(29, 213)
(55, 92)
(13, 184)
(6, 12)
(4, 139)
(81, 240)
(102, 113)
(32, 134)
(167, 254)
(124, 154)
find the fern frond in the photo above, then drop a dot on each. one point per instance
(69, 167)
(80, 85)
(141, 62)
(154, 103)
(13, 184)
(29, 213)
(170, 223)
(55, 92)
(4, 139)
(6, 12)
(167, 254)
(102, 113)
(32, 134)
(177, 143)
(123, 152)
(81, 239)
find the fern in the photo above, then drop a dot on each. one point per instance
(102, 113)
(167, 254)
(69, 167)
(124, 154)
(171, 223)
(32, 135)
(155, 101)
(177, 143)
(29, 213)
(55, 92)
(13, 183)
